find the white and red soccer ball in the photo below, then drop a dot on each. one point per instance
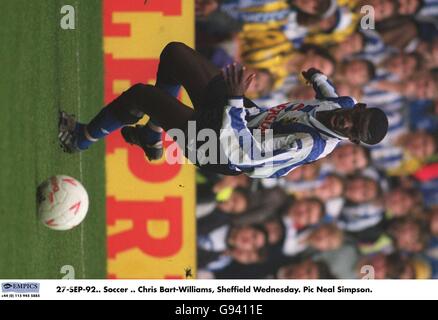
(62, 202)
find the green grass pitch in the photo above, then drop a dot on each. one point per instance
(44, 69)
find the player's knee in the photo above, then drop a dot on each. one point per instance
(171, 49)
(141, 92)
(139, 88)
(129, 110)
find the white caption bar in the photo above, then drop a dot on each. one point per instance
(219, 290)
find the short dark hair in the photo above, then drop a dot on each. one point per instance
(319, 202)
(376, 126)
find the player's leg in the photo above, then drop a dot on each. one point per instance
(179, 65)
(127, 109)
(146, 99)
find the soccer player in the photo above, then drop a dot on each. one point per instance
(302, 131)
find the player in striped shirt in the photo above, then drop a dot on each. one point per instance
(298, 132)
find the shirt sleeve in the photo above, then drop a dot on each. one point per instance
(236, 139)
(326, 91)
(286, 160)
(323, 87)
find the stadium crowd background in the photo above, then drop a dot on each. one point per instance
(360, 206)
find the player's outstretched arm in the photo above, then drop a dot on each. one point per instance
(322, 86)
(308, 74)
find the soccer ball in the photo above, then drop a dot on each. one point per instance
(62, 202)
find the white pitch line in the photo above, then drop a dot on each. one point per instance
(78, 74)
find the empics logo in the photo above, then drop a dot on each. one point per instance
(25, 287)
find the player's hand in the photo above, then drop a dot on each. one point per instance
(310, 73)
(236, 80)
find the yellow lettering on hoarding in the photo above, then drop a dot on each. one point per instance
(150, 32)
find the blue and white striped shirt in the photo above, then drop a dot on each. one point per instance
(357, 218)
(429, 8)
(375, 49)
(297, 136)
(237, 10)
